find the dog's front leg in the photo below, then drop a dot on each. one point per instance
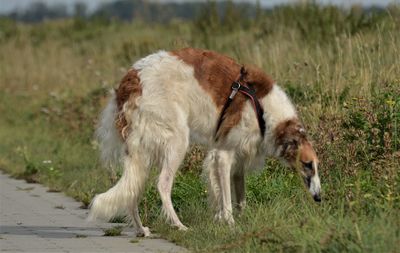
(224, 160)
(239, 186)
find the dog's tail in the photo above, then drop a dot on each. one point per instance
(111, 145)
(119, 199)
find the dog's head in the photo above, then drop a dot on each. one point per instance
(296, 150)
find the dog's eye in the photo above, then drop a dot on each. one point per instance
(290, 145)
(293, 144)
(308, 165)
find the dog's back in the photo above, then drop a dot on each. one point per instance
(189, 83)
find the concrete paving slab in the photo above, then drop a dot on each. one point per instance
(35, 220)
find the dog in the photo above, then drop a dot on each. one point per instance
(169, 100)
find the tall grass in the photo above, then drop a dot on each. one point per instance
(341, 68)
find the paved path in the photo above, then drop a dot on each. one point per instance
(34, 220)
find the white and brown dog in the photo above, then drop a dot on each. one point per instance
(168, 100)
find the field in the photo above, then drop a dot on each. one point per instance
(340, 67)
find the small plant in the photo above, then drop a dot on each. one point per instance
(30, 174)
(114, 231)
(118, 219)
(86, 199)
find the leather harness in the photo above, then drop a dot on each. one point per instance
(250, 92)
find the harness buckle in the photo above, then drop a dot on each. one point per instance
(235, 88)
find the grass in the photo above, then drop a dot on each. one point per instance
(114, 231)
(341, 68)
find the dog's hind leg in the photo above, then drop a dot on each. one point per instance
(122, 198)
(173, 156)
(137, 223)
(136, 164)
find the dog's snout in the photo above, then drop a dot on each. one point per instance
(317, 198)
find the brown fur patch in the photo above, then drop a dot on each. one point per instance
(216, 73)
(290, 135)
(307, 153)
(129, 88)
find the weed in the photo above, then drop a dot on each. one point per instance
(31, 170)
(114, 231)
(118, 219)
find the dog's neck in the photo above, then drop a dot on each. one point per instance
(277, 109)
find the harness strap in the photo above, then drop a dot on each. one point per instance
(250, 93)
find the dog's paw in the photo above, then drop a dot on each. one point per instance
(230, 221)
(143, 232)
(182, 228)
(218, 216)
(241, 207)
(224, 218)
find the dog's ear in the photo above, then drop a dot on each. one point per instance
(252, 74)
(256, 76)
(243, 73)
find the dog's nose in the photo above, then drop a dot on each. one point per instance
(317, 198)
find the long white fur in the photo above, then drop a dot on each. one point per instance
(315, 184)
(172, 112)
(111, 146)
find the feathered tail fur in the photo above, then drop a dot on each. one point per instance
(111, 145)
(118, 200)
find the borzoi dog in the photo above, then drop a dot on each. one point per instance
(168, 100)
